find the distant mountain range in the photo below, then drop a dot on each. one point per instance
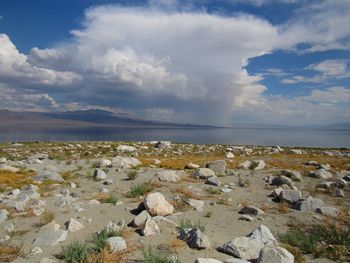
(80, 118)
(94, 117)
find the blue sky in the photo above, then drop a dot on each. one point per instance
(214, 62)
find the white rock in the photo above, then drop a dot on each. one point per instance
(150, 228)
(73, 225)
(243, 247)
(168, 176)
(156, 204)
(230, 155)
(99, 175)
(207, 260)
(51, 238)
(203, 173)
(104, 163)
(125, 162)
(274, 254)
(263, 233)
(36, 250)
(116, 244)
(126, 148)
(196, 204)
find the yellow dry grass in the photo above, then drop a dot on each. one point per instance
(9, 253)
(15, 180)
(188, 194)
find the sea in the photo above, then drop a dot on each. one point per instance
(302, 137)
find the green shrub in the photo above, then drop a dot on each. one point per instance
(111, 199)
(139, 190)
(75, 252)
(151, 256)
(132, 175)
(99, 240)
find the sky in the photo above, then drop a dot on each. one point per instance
(218, 62)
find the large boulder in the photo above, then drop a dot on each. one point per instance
(281, 180)
(73, 225)
(163, 145)
(51, 238)
(156, 204)
(170, 176)
(218, 166)
(195, 238)
(251, 210)
(263, 233)
(48, 176)
(150, 228)
(294, 175)
(203, 173)
(321, 173)
(125, 162)
(308, 204)
(289, 196)
(258, 164)
(126, 148)
(275, 254)
(140, 219)
(243, 247)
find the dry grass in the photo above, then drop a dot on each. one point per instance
(173, 247)
(15, 180)
(9, 253)
(283, 207)
(46, 217)
(180, 205)
(298, 256)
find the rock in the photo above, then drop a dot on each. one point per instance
(236, 260)
(257, 165)
(150, 228)
(196, 204)
(64, 201)
(322, 174)
(4, 166)
(156, 204)
(326, 185)
(213, 180)
(73, 225)
(195, 238)
(2, 160)
(30, 187)
(3, 215)
(275, 254)
(218, 166)
(289, 196)
(341, 183)
(308, 204)
(108, 182)
(115, 227)
(207, 260)
(47, 175)
(104, 163)
(230, 155)
(46, 260)
(192, 166)
(246, 218)
(295, 151)
(15, 192)
(99, 175)
(93, 202)
(328, 211)
(263, 233)
(126, 148)
(242, 247)
(116, 244)
(163, 145)
(339, 193)
(51, 238)
(245, 165)
(203, 173)
(294, 175)
(36, 250)
(168, 176)
(125, 162)
(251, 210)
(140, 219)
(281, 180)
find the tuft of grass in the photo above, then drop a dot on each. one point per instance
(321, 240)
(213, 191)
(283, 207)
(298, 256)
(208, 214)
(46, 217)
(9, 253)
(99, 240)
(132, 175)
(150, 256)
(110, 199)
(187, 223)
(75, 252)
(15, 180)
(188, 193)
(139, 190)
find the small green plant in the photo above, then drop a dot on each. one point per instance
(106, 170)
(75, 252)
(208, 214)
(150, 256)
(213, 191)
(140, 189)
(187, 223)
(111, 199)
(132, 175)
(99, 240)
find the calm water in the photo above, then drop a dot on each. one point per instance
(283, 137)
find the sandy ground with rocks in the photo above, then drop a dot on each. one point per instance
(239, 184)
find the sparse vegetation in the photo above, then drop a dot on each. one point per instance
(208, 214)
(99, 240)
(140, 189)
(110, 199)
(329, 240)
(132, 175)
(213, 191)
(187, 223)
(46, 217)
(75, 252)
(150, 256)
(9, 252)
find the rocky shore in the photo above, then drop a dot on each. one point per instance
(167, 202)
